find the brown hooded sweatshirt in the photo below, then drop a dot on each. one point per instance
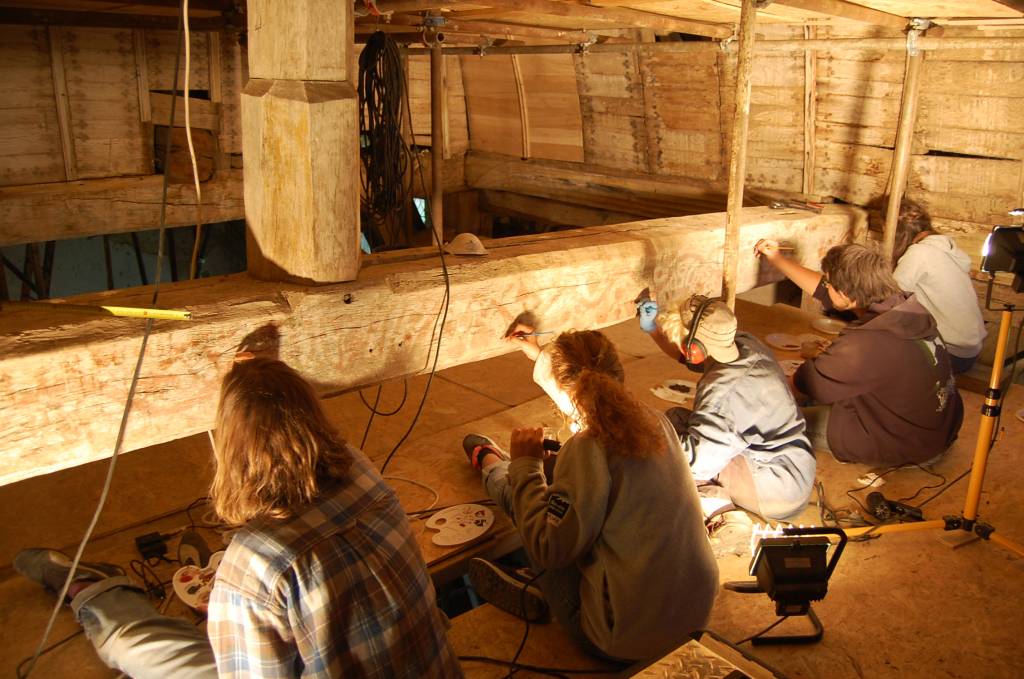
(888, 378)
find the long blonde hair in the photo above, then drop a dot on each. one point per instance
(274, 448)
(586, 365)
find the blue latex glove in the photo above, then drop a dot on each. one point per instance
(648, 311)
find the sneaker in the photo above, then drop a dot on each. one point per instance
(50, 568)
(477, 445)
(506, 591)
(730, 533)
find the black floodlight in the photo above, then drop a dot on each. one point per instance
(1004, 252)
(793, 568)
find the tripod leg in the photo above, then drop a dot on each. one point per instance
(811, 638)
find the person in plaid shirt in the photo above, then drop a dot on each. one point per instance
(322, 577)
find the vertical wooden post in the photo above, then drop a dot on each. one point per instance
(437, 108)
(738, 153)
(810, 109)
(901, 154)
(300, 135)
(60, 94)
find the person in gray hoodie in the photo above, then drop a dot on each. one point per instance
(884, 389)
(616, 536)
(931, 266)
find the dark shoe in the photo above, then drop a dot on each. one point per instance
(50, 568)
(477, 445)
(506, 591)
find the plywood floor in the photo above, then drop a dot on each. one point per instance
(903, 605)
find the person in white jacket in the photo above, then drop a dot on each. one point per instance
(931, 266)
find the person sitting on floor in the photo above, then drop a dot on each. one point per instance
(884, 389)
(745, 431)
(932, 267)
(322, 578)
(616, 536)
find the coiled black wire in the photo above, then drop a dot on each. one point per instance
(384, 153)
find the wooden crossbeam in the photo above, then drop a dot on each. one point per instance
(604, 15)
(848, 10)
(65, 378)
(90, 207)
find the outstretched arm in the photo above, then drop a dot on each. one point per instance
(805, 278)
(647, 311)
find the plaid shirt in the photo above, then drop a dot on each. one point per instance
(340, 590)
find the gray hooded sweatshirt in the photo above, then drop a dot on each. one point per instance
(935, 270)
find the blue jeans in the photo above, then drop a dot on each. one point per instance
(131, 636)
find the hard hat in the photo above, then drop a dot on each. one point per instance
(465, 244)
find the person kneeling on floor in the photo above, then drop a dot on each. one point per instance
(616, 538)
(884, 389)
(745, 432)
(323, 577)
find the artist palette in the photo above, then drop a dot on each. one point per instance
(460, 524)
(783, 341)
(676, 391)
(193, 584)
(790, 367)
(829, 326)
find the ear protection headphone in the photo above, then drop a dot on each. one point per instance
(702, 303)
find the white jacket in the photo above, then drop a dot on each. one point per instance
(935, 270)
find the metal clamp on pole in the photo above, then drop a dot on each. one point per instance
(916, 28)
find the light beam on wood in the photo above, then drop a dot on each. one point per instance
(738, 152)
(65, 377)
(901, 154)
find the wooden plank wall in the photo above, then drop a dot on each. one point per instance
(419, 103)
(95, 82)
(500, 93)
(667, 115)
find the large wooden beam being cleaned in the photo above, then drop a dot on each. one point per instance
(64, 378)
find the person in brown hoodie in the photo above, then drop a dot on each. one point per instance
(884, 388)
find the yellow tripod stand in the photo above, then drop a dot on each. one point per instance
(968, 520)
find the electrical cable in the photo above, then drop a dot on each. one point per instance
(373, 408)
(133, 384)
(384, 154)
(437, 496)
(193, 265)
(767, 629)
(52, 647)
(946, 487)
(441, 318)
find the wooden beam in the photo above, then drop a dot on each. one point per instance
(901, 154)
(90, 207)
(300, 136)
(63, 103)
(810, 111)
(204, 114)
(45, 17)
(848, 10)
(553, 212)
(738, 152)
(524, 114)
(602, 15)
(926, 44)
(438, 107)
(553, 179)
(65, 377)
(142, 74)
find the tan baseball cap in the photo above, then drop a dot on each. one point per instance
(716, 330)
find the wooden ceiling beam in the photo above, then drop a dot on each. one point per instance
(847, 10)
(584, 14)
(46, 17)
(65, 376)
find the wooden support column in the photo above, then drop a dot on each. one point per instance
(738, 153)
(60, 95)
(810, 110)
(901, 155)
(438, 92)
(300, 132)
